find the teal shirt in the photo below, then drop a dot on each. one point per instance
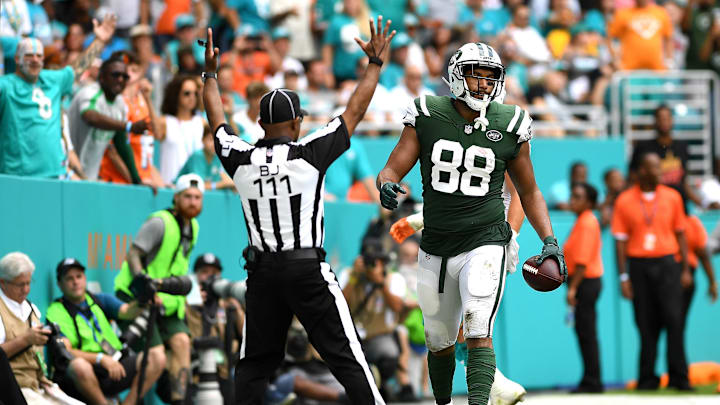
(341, 36)
(393, 10)
(392, 75)
(197, 164)
(171, 50)
(490, 23)
(350, 166)
(30, 139)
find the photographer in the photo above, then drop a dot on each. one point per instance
(22, 336)
(375, 298)
(213, 315)
(96, 373)
(161, 250)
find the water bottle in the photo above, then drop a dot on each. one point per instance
(570, 317)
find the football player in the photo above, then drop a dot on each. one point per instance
(465, 145)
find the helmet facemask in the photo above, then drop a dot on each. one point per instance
(475, 97)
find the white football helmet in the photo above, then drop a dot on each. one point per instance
(464, 63)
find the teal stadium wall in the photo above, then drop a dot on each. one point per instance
(96, 222)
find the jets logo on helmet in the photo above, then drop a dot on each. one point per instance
(465, 63)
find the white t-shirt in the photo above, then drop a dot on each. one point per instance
(289, 63)
(182, 139)
(400, 97)
(530, 43)
(93, 141)
(250, 131)
(15, 19)
(22, 311)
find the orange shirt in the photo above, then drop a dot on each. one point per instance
(648, 225)
(641, 32)
(248, 68)
(142, 145)
(583, 246)
(696, 236)
(166, 21)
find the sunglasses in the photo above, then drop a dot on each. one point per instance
(118, 75)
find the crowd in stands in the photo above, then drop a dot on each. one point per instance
(557, 53)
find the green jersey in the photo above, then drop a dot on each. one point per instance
(463, 172)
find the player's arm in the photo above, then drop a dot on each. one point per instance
(401, 160)
(515, 215)
(103, 34)
(211, 92)
(377, 47)
(533, 203)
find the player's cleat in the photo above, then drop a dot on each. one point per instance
(505, 391)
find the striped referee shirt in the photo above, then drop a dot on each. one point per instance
(281, 183)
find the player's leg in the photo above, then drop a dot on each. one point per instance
(320, 306)
(482, 280)
(262, 349)
(441, 314)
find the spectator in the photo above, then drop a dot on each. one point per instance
(352, 166)
(22, 336)
(253, 58)
(442, 12)
(379, 111)
(697, 242)
(136, 96)
(375, 299)
(673, 153)
(710, 51)
(30, 141)
(416, 54)
(614, 185)
(437, 51)
(296, 18)
(557, 27)
(551, 96)
(247, 121)
(179, 129)
(73, 44)
(588, 72)
(15, 19)
(339, 47)
(165, 27)
(531, 45)
(583, 254)
(559, 196)
(410, 89)
(645, 34)
(187, 65)
(321, 99)
(232, 100)
(648, 226)
(217, 315)
(98, 116)
(206, 164)
(84, 318)
(281, 43)
(487, 22)
(162, 249)
(184, 38)
(156, 71)
(391, 10)
(393, 73)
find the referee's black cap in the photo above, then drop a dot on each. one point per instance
(280, 105)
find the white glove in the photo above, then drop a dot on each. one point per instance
(513, 251)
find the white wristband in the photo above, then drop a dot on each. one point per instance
(416, 221)
(128, 125)
(624, 277)
(98, 358)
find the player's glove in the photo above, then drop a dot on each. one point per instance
(513, 251)
(388, 195)
(551, 248)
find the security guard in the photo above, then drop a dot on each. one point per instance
(162, 249)
(98, 371)
(280, 182)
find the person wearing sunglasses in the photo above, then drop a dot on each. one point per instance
(99, 121)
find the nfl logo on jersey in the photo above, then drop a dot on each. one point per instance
(468, 129)
(493, 135)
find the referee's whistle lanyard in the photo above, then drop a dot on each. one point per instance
(649, 216)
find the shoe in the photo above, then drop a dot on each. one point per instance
(683, 387)
(505, 391)
(585, 389)
(406, 394)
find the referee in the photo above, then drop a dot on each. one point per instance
(280, 181)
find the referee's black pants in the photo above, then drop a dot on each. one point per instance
(658, 304)
(309, 290)
(586, 331)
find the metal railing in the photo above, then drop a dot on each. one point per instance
(694, 97)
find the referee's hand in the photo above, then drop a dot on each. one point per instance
(211, 53)
(379, 44)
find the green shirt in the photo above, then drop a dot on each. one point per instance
(198, 164)
(463, 172)
(700, 23)
(30, 139)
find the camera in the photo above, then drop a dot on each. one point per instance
(144, 287)
(59, 354)
(216, 287)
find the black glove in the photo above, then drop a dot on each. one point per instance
(388, 195)
(551, 248)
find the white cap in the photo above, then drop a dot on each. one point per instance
(189, 180)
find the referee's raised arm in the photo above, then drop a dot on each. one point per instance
(378, 50)
(211, 93)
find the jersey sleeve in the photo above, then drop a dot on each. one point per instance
(87, 96)
(326, 144)
(586, 242)
(618, 224)
(410, 114)
(524, 129)
(231, 150)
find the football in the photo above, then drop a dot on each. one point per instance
(545, 277)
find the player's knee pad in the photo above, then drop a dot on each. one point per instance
(476, 318)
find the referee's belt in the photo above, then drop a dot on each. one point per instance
(290, 255)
